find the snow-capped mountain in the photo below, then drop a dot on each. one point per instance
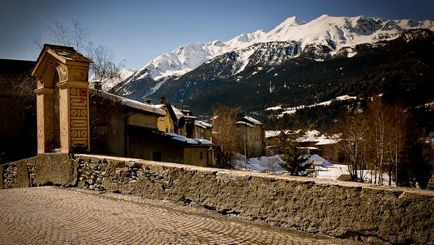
(190, 56)
(318, 39)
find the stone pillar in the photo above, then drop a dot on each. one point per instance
(45, 127)
(74, 116)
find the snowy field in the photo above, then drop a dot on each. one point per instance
(323, 168)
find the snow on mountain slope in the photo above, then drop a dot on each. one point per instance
(190, 56)
(292, 110)
(322, 37)
(342, 31)
(111, 82)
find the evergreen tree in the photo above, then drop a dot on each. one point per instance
(295, 158)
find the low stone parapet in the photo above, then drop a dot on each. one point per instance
(357, 211)
(340, 209)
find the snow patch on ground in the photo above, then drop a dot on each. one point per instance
(260, 164)
(291, 110)
(272, 164)
(323, 169)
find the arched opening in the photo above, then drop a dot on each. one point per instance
(52, 112)
(56, 115)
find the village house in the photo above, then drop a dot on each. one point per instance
(273, 142)
(202, 130)
(71, 117)
(124, 127)
(176, 120)
(312, 141)
(251, 137)
(182, 121)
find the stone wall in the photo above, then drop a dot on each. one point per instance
(16, 175)
(346, 210)
(44, 169)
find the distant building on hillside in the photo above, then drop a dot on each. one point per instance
(251, 137)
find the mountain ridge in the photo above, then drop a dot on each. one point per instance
(405, 61)
(324, 36)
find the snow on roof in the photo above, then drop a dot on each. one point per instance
(272, 133)
(320, 139)
(274, 108)
(309, 136)
(130, 103)
(245, 123)
(346, 97)
(308, 147)
(202, 124)
(159, 106)
(252, 120)
(190, 141)
(323, 141)
(178, 112)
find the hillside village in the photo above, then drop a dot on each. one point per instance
(123, 127)
(168, 123)
(159, 131)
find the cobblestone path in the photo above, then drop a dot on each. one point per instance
(49, 215)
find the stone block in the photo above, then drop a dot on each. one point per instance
(55, 168)
(23, 179)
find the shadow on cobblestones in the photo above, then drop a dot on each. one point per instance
(49, 215)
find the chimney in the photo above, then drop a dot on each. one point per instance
(162, 100)
(147, 101)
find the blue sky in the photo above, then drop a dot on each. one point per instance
(138, 31)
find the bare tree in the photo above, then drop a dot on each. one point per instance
(103, 67)
(225, 134)
(385, 139)
(75, 35)
(353, 144)
(397, 128)
(377, 115)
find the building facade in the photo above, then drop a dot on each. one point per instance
(251, 137)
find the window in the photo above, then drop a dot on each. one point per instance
(156, 156)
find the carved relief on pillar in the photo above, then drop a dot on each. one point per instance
(63, 73)
(79, 117)
(79, 75)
